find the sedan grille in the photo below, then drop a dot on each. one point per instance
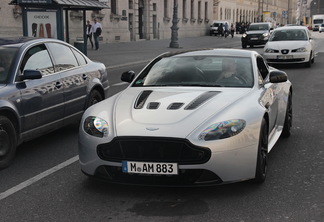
(153, 149)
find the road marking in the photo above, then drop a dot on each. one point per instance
(36, 178)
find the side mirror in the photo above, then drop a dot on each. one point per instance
(277, 76)
(128, 76)
(32, 74)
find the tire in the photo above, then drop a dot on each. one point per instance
(286, 132)
(262, 165)
(309, 63)
(94, 98)
(8, 142)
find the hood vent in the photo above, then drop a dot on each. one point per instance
(174, 106)
(153, 105)
(200, 100)
(142, 98)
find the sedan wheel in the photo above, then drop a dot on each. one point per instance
(262, 165)
(94, 98)
(7, 142)
(309, 63)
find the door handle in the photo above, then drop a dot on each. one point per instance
(58, 84)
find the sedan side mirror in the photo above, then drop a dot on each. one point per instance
(128, 76)
(277, 76)
(32, 74)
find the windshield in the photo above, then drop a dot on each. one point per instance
(318, 21)
(256, 27)
(203, 71)
(6, 57)
(289, 35)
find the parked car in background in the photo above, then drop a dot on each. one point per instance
(256, 34)
(214, 27)
(45, 84)
(321, 28)
(190, 118)
(290, 44)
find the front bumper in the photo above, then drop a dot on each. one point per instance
(276, 58)
(197, 169)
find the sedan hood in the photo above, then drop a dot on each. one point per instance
(256, 32)
(169, 112)
(286, 44)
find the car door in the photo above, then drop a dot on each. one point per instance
(74, 79)
(269, 98)
(42, 99)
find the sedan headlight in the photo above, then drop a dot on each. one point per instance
(95, 126)
(302, 49)
(244, 35)
(269, 50)
(223, 130)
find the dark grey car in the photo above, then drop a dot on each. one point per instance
(45, 84)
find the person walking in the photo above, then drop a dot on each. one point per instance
(220, 30)
(226, 29)
(96, 30)
(232, 30)
(89, 33)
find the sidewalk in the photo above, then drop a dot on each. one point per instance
(127, 53)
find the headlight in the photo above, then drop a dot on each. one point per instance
(223, 130)
(265, 34)
(303, 49)
(95, 126)
(244, 35)
(268, 50)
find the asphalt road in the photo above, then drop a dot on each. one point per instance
(45, 182)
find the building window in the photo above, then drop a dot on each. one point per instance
(154, 7)
(113, 6)
(166, 7)
(130, 4)
(206, 10)
(184, 9)
(199, 10)
(192, 7)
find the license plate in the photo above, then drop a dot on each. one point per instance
(150, 168)
(284, 57)
(254, 38)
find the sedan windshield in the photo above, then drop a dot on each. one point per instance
(203, 71)
(289, 35)
(7, 55)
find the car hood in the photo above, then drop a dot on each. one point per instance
(169, 112)
(286, 44)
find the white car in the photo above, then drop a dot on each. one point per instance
(192, 118)
(290, 44)
(321, 28)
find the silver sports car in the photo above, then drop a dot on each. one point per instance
(200, 117)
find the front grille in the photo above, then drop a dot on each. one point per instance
(188, 177)
(285, 60)
(153, 149)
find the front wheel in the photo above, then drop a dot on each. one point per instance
(8, 142)
(262, 165)
(286, 132)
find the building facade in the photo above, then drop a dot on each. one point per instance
(135, 20)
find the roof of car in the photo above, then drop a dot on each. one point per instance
(14, 40)
(291, 27)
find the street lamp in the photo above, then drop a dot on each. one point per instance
(174, 33)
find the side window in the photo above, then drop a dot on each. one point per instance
(262, 67)
(82, 61)
(63, 57)
(37, 58)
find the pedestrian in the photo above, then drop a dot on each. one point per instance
(89, 33)
(226, 29)
(96, 30)
(220, 30)
(232, 30)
